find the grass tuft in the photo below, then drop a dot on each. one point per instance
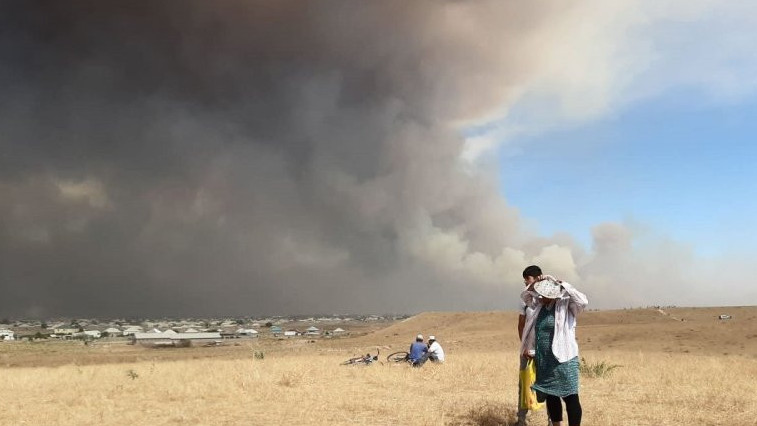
(596, 369)
(489, 414)
(291, 379)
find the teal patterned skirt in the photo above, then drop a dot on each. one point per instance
(552, 377)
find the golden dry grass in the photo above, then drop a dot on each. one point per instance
(303, 383)
(301, 389)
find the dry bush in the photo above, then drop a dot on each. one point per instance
(291, 378)
(489, 414)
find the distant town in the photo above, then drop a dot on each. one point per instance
(186, 331)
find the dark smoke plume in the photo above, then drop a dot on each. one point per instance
(256, 157)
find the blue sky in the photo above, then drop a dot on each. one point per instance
(633, 133)
(679, 164)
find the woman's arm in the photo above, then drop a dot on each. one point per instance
(521, 324)
(578, 300)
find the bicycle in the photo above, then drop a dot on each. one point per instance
(366, 359)
(398, 357)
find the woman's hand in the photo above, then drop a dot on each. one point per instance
(548, 277)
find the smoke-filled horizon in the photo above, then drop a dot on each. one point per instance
(198, 158)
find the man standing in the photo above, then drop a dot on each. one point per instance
(530, 275)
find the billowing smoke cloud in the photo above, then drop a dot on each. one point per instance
(166, 158)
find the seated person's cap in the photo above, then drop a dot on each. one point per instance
(431, 338)
(419, 337)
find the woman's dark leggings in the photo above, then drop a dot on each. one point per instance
(572, 406)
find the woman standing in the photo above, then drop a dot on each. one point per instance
(549, 336)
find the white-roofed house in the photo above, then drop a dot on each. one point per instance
(247, 332)
(131, 329)
(112, 331)
(94, 334)
(6, 334)
(312, 331)
(65, 332)
(176, 339)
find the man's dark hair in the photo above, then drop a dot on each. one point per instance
(532, 271)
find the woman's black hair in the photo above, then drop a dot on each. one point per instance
(532, 271)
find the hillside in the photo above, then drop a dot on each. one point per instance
(671, 331)
(674, 330)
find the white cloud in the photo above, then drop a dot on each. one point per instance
(90, 190)
(597, 57)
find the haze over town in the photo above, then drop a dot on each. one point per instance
(274, 158)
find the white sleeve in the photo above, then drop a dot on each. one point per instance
(529, 298)
(578, 300)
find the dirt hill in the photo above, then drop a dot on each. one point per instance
(669, 330)
(674, 330)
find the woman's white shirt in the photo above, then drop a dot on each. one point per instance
(564, 345)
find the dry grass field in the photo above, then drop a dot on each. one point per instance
(678, 366)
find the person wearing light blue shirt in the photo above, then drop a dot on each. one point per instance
(418, 351)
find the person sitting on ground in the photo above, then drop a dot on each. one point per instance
(435, 353)
(418, 350)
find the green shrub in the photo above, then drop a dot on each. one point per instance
(596, 369)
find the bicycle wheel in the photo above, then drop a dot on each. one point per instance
(397, 357)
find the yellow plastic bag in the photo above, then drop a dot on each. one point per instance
(527, 396)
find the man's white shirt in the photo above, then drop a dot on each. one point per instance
(436, 350)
